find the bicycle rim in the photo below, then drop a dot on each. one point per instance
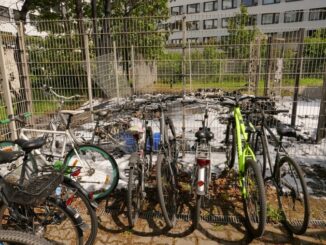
(99, 172)
(51, 220)
(254, 199)
(293, 196)
(166, 190)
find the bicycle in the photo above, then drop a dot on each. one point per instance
(22, 238)
(250, 178)
(166, 165)
(202, 169)
(286, 175)
(140, 165)
(98, 171)
(70, 191)
(30, 204)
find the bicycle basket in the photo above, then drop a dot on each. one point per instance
(34, 190)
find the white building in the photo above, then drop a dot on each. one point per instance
(207, 19)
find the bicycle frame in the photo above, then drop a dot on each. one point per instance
(244, 152)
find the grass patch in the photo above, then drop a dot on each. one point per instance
(274, 214)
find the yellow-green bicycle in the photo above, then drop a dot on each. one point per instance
(250, 177)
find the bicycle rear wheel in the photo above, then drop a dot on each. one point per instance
(52, 220)
(99, 173)
(254, 199)
(166, 186)
(259, 146)
(293, 196)
(21, 238)
(230, 145)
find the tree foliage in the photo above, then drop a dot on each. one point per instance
(315, 52)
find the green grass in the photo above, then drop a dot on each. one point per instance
(273, 214)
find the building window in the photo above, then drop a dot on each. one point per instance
(293, 16)
(192, 25)
(252, 20)
(210, 6)
(211, 40)
(176, 41)
(317, 14)
(192, 40)
(225, 22)
(193, 8)
(272, 18)
(4, 14)
(249, 3)
(176, 26)
(176, 10)
(210, 24)
(270, 1)
(229, 4)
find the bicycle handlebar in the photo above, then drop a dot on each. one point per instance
(19, 118)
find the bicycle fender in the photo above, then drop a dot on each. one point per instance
(71, 183)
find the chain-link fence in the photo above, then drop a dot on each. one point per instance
(117, 57)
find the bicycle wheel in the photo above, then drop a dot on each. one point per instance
(260, 148)
(166, 190)
(22, 238)
(197, 216)
(230, 145)
(73, 195)
(134, 195)
(99, 173)
(52, 220)
(254, 199)
(149, 146)
(293, 196)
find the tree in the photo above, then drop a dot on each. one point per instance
(315, 52)
(237, 44)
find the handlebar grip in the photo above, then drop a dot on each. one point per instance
(5, 121)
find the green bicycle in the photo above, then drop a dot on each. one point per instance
(250, 177)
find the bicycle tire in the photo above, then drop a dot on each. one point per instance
(22, 238)
(58, 218)
(108, 182)
(133, 208)
(260, 189)
(168, 207)
(296, 229)
(259, 147)
(149, 141)
(230, 144)
(88, 212)
(197, 216)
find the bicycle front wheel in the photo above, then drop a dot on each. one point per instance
(293, 196)
(230, 145)
(99, 173)
(166, 186)
(254, 199)
(259, 146)
(134, 195)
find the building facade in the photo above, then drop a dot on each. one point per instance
(207, 20)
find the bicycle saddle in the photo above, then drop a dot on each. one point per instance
(286, 131)
(28, 145)
(204, 134)
(6, 157)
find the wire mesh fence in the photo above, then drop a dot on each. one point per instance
(117, 57)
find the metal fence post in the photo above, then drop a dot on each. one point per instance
(89, 74)
(321, 128)
(190, 69)
(268, 69)
(298, 71)
(116, 70)
(184, 43)
(24, 66)
(6, 91)
(133, 69)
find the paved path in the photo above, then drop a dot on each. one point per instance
(113, 231)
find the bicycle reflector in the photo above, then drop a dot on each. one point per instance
(203, 162)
